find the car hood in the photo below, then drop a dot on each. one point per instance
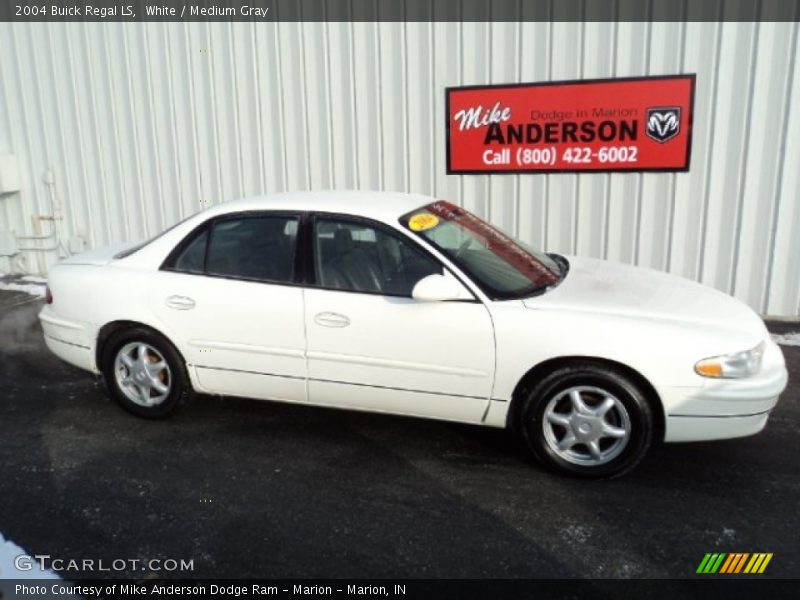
(99, 256)
(608, 288)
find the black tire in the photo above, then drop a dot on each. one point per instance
(529, 425)
(179, 388)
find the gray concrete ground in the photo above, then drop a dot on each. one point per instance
(248, 488)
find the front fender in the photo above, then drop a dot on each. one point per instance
(663, 352)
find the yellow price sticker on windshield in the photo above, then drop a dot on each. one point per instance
(423, 221)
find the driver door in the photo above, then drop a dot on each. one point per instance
(370, 345)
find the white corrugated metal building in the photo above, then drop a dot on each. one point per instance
(112, 131)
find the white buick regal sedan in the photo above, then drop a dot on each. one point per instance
(405, 304)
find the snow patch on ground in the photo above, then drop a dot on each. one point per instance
(8, 552)
(28, 284)
(787, 339)
(34, 279)
(34, 289)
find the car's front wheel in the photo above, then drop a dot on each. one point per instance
(586, 420)
(144, 373)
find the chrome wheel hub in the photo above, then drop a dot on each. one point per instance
(142, 374)
(586, 425)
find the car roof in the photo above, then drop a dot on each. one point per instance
(385, 207)
(381, 206)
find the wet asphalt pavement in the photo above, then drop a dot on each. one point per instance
(257, 489)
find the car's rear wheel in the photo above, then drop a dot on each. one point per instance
(144, 373)
(586, 420)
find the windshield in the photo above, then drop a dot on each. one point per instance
(500, 265)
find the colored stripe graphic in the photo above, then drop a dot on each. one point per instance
(718, 562)
(711, 563)
(758, 563)
(727, 564)
(703, 563)
(740, 564)
(734, 562)
(731, 560)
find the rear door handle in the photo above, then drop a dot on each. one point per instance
(331, 319)
(180, 302)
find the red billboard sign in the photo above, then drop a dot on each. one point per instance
(627, 124)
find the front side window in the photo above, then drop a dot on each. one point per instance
(260, 248)
(354, 256)
(502, 266)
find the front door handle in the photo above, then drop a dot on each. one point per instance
(331, 319)
(180, 302)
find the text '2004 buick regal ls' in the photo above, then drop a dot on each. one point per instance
(405, 304)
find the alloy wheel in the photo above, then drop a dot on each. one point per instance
(142, 374)
(586, 425)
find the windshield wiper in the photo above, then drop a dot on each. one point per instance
(563, 265)
(538, 290)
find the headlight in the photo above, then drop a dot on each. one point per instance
(738, 364)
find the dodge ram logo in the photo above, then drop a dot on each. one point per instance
(663, 123)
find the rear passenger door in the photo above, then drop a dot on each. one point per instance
(229, 297)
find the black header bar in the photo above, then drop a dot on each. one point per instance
(400, 10)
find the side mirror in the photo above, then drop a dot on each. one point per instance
(437, 288)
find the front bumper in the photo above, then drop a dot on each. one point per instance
(726, 408)
(72, 341)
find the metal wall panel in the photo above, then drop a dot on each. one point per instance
(139, 125)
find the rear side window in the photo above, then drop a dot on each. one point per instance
(259, 248)
(193, 257)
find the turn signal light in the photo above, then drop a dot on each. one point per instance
(709, 368)
(48, 295)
